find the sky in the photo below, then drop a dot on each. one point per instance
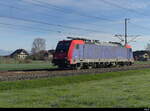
(21, 21)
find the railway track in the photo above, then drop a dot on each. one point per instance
(35, 74)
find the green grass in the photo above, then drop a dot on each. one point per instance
(142, 62)
(8, 67)
(115, 89)
(26, 66)
(7, 64)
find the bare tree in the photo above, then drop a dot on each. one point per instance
(148, 47)
(38, 45)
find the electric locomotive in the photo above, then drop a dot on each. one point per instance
(80, 53)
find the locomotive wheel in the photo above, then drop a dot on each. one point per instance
(122, 64)
(130, 63)
(77, 66)
(89, 66)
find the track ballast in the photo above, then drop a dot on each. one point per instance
(28, 75)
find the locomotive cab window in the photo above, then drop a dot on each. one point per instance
(77, 46)
(63, 46)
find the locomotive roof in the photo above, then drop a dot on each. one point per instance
(97, 42)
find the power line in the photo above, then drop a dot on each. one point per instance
(131, 10)
(76, 28)
(29, 27)
(50, 24)
(48, 15)
(140, 26)
(125, 8)
(35, 29)
(13, 7)
(58, 25)
(105, 1)
(13, 27)
(60, 9)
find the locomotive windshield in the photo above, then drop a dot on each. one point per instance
(63, 46)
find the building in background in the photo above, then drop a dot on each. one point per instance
(141, 55)
(20, 54)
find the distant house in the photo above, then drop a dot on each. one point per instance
(20, 54)
(141, 55)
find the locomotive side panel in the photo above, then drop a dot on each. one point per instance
(97, 53)
(121, 54)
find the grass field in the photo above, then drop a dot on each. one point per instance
(142, 62)
(115, 89)
(12, 64)
(26, 66)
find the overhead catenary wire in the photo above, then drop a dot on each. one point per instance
(60, 9)
(45, 14)
(45, 23)
(130, 10)
(104, 1)
(29, 28)
(24, 9)
(59, 25)
(50, 24)
(140, 26)
(125, 8)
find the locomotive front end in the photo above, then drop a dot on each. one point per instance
(63, 57)
(60, 57)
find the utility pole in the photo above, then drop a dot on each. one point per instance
(123, 37)
(126, 33)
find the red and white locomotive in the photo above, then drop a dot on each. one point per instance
(84, 53)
